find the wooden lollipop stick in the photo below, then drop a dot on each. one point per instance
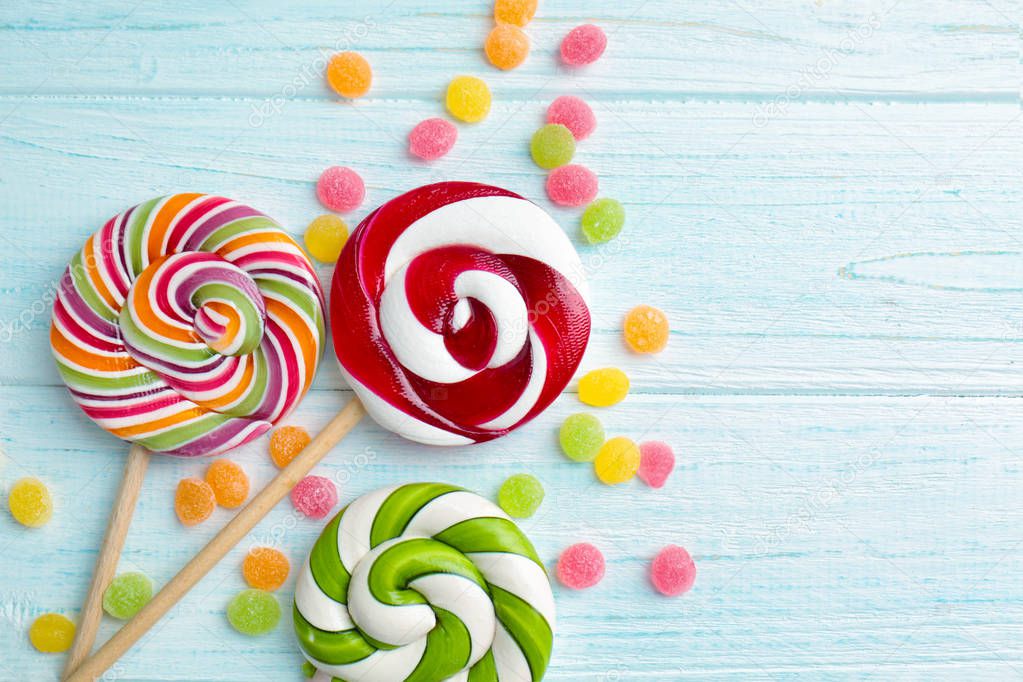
(109, 554)
(221, 544)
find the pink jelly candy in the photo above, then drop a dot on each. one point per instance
(432, 138)
(574, 114)
(580, 566)
(572, 185)
(673, 571)
(314, 496)
(656, 462)
(583, 45)
(340, 189)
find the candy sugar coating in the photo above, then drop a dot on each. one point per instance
(285, 444)
(552, 145)
(646, 329)
(51, 633)
(349, 74)
(656, 463)
(325, 236)
(517, 12)
(617, 461)
(603, 220)
(673, 571)
(507, 46)
(572, 185)
(127, 594)
(583, 45)
(194, 501)
(253, 612)
(340, 189)
(603, 387)
(468, 99)
(265, 568)
(432, 138)
(30, 502)
(314, 496)
(580, 566)
(229, 482)
(520, 495)
(581, 436)
(574, 114)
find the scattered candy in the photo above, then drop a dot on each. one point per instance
(51, 633)
(314, 496)
(468, 99)
(583, 45)
(506, 46)
(30, 502)
(656, 463)
(520, 495)
(285, 444)
(325, 237)
(581, 436)
(574, 114)
(603, 387)
(194, 501)
(603, 220)
(349, 74)
(572, 185)
(552, 145)
(518, 12)
(229, 482)
(265, 568)
(617, 461)
(340, 189)
(580, 566)
(253, 612)
(127, 594)
(673, 571)
(432, 138)
(646, 329)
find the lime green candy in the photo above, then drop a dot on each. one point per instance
(127, 594)
(552, 146)
(581, 436)
(603, 220)
(253, 612)
(520, 495)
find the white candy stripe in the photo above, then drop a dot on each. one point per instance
(382, 666)
(506, 305)
(353, 533)
(509, 660)
(447, 510)
(316, 607)
(530, 393)
(394, 625)
(467, 601)
(519, 575)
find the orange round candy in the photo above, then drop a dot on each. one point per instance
(518, 12)
(349, 74)
(265, 568)
(646, 329)
(229, 482)
(506, 46)
(194, 501)
(285, 444)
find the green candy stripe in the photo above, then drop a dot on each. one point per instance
(335, 648)
(252, 318)
(528, 628)
(489, 534)
(188, 432)
(447, 649)
(87, 291)
(196, 354)
(79, 380)
(485, 669)
(229, 231)
(300, 298)
(257, 389)
(400, 506)
(134, 234)
(397, 566)
(325, 563)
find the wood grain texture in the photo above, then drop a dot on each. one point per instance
(823, 195)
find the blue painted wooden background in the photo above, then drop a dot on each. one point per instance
(823, 195)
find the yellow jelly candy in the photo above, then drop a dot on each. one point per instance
(325, 237)
(349, 74)
(518, 12)
(646, 329)
(468, 99)
(617, 461)
(506, 46)
(30, 502)
(51, 633)
(603, 387)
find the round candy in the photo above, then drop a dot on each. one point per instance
(458, 312)
(188, 324)
(506, 46)
(581, 437)
(520, 495)
(194, 501)
(467, 595)
(30, 502)
(552, 146)
(229, 482)
(285, 444)
(580, 566)
(325, 236)
(51, 633)
(646, 329)
(340, 189)
(603, 220)
(127, 594)
(253, 612)
(656, 463)
(468, 99)
(583, 45)
(603, 387)
(432, 138)
(265, 568)
(574, 114)
(673, 571)
(518, 12)
(349, 74)
(572, 185)
(617, 461)
(314, 496)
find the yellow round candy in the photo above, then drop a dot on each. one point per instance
(646, 329)
(518, 12)
(30, 502)
(617, 461)
(506, 46)
(51, 633)
(468, 99)
(349, 74)
(603, 387)
(325, 237)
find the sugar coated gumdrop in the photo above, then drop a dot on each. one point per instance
(583, 45)
(656, 462)
(580, 566)
(603, 220)
(574, 114)
(194, 501)
(520, 495)
(314, 496)
(349, 74)
(506, 46)
(572, 185)
(468, 99)
(617, 461)
(30, 502)
(285, 444)
(552, 146)
(340, 189)
(673, 571)
(51, 633)
(127, 594)
(229, 482)
(581, 436)
(646, 329)
(325, 237)
(603, 387)
(432, 138)
(265, 568)
(253, 612)
(518, 12)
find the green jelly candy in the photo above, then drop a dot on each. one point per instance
(253, 612)
(520, 495)
(581, 436)
(127, 594)
(603, 220)
(552, 146)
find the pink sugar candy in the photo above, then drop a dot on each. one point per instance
(314, 496)
(572, 185)
(656, 462)
(673, 571)
(574, 114)
(583, 45)
(340, 189)
(580, 566)
(432, 138)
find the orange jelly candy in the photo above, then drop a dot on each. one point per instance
(285, 444)
(265, 568)
(646, 329)
(506, 46)
(229, 482)
(349, 74)
(194, 501)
